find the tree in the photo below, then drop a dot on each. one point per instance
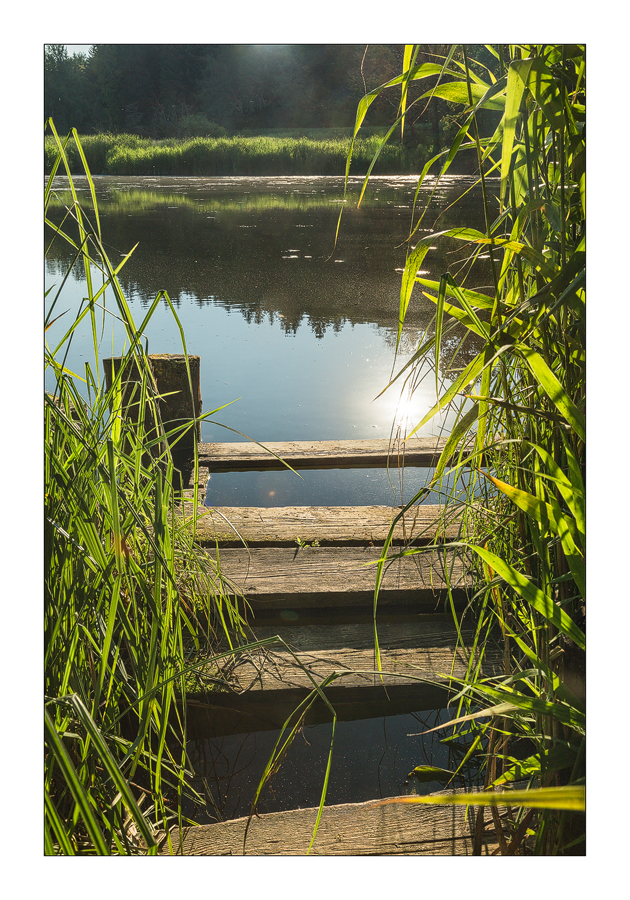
(66, 97)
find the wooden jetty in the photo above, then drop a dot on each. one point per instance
(305, 578)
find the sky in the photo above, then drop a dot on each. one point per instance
(73, 49)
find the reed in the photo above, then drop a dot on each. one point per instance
(261, 155)
(133, 608)
(130, 601)
(521, 399)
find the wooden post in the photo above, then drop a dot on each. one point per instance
(171, 377)
(178, 407)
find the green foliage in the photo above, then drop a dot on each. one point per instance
(172, 90)
(130, 601)
(67, 88)
(521, 400)
(198, 125)
(128, 154)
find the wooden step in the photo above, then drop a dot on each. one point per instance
(283, 578)
(350, 525)
(262, 687)
(246, 455)
(426, 649)
(351, 829)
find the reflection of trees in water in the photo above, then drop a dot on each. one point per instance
(292, 306)
(458, 347)
(206, 195)
(216, 261)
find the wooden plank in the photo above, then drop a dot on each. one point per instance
(351, 829)
(350, 525)
(282, 578)
(246, 455)
(262, 688)
(425, 633)
(203, 473)
(411, 653)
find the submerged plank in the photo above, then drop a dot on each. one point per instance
(282, 578)
(352, 829)
(418, 451)
(351, 525)
(230, 714)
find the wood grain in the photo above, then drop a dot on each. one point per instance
(411, 654)
(418, 451)
(353, 829)
(351, 525)
(276, 578)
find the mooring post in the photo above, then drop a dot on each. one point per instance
(177, 405)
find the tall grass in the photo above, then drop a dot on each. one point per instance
(133, 608)
(521, 399)
(127, 154)
(130, 601)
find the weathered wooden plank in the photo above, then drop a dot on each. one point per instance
(203, 473)
(278, 577)
(351, 525)
(263, 687)
(352, 829)
(411, 653)
(418, 451)
(425, 633)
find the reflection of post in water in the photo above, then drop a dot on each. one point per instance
(176, 405)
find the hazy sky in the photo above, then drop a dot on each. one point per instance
(73, 49)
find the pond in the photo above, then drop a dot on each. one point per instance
(301, 333)
(372, 759)
(296, 333)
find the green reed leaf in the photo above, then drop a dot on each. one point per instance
(562, 712)
(460, 430)
(516, 81)
(569, 797)
(430, 773)
(409, 50)
(554, 390)
(556, 759)
(412, 265)
(481, 301)
(532, 595)
(545, 88)
(469, 375)
(118, 779)
(72, 780)
(439, 318)
(457, 92)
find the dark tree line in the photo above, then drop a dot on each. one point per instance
(167, 90)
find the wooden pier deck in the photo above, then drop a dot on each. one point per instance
(305, 576)
(349, 526)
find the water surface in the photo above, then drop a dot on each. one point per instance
(372, 759)
(301, 333)
(295, 333)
